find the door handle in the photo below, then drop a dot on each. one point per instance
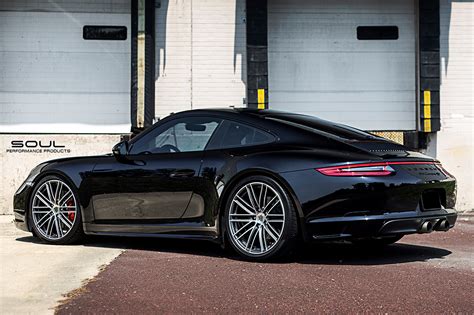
(182, 173)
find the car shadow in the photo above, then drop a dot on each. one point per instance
(322, 254)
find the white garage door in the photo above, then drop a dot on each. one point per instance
(52, 79)
(318, 66)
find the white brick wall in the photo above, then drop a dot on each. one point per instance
(455, 141)
(200, 55)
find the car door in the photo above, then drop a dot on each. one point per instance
(231, 143)
(159, 175)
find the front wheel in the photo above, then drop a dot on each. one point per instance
(261, 221)
(55, 215)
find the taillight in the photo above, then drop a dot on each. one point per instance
(368, 169)
(365, 169)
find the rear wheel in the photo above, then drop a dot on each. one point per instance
(55, 215)
(260, 219)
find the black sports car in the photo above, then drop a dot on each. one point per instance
(257, 180)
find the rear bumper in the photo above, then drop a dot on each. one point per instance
(20, 220)
(398, 223)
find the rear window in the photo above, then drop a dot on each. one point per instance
(322, 126)
(233, 134)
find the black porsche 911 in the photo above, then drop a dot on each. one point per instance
(258, 180)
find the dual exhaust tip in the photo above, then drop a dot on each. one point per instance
(439, 225)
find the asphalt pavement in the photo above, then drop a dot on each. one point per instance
(422, 273)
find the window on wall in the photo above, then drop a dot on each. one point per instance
(377, 32)
(102, 32)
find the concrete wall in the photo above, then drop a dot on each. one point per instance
(454, 144)
(16, 165)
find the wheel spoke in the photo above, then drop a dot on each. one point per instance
(49, 228)
(271, 200)
(42, 221)
(271, 234)
(49, 192)
(63, 199)
(252, 237)
(264, 196)
(261, 239)
(242, 220)
(251, 196)
(59, 187)
(242, 205)
(272, 207)
(67, 207)
(58, 229)
(65, 220)
(272, 229)
(275, 221)
(44, 200)
(260, 196)
(248, 230)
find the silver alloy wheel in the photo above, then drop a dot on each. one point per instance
(256, 218)
(54, 209)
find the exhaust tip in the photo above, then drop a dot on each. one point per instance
(426, 227)
(443, 225)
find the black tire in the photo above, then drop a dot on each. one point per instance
(76, 232)
(289, 229)
(377, 242)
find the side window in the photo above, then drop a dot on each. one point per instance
(235, 135)
(180, 135)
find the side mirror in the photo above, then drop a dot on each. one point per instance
(120, 151)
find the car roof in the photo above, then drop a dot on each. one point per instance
(282, 122)
(236, 110)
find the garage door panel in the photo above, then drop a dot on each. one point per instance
(50, 76)
(318, 66)
(342, 71)
(61, 117)
(113, 103)
(33, 112)
(104, 6)
(58, 32)
(324, 32)
(341, 6)
(341, 97)
(59, 72)
(341, 107)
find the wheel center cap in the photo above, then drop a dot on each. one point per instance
(260, 217)
(56, 209)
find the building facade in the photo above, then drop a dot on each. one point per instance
(75, 76)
